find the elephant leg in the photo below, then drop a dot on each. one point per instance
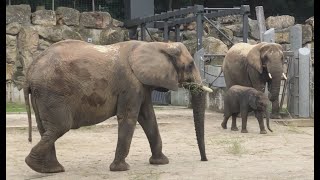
(127, 114)
(148, 122)
(234, 122)
(259, 116)
(225, 121)
(244, 116)
(52, 125)
(275, 110)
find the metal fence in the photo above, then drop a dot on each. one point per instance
(114, 7)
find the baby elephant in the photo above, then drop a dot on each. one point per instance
(240, 99)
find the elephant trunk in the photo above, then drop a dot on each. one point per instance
(276, 73)
(198, 105)
(267, 120)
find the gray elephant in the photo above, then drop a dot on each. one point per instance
(254, 66)
(240, 99)
(74, 84)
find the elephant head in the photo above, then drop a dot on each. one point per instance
(267, 59)
(169, 66)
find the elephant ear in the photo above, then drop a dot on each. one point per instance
(254, 56)
(253, 101)
(155, 64)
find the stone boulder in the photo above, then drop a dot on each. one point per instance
(117, 23)
(44, 17)
(213, 45)
(230, 19)
(240, 39)
(254, 29)
(189, 35)
(57, 33)
(279, 22)
(18, 13)
(113, 35)
(69, 16)
(11, 49)
(13, 28)
(156, 34)
(87, 34)
(282, 36)
(99, 20)
(9, 71)
(310, 21)
(236, 29)
(191, 46)
(43, 44)
(306, 33)
(211, 31)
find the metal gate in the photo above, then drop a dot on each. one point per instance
(161, 98)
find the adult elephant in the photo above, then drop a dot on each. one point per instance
(254, 66)
(74, 84)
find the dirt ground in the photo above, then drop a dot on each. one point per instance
(86, 153)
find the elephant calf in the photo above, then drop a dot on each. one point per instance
(241, 99)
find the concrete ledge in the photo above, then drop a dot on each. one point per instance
(296, 122)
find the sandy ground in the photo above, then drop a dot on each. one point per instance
(86, 153)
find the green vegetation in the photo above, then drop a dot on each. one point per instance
(15, 107)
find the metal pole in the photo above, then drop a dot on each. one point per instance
(246, 11)
(9, 2)
(93, 8)
(199, 30)
(165, 32)
(177, 32)
(143, 32)
(52, 5)
(304, 82)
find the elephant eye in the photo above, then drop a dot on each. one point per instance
(190, 66)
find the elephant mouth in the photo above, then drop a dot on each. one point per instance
(194, 87)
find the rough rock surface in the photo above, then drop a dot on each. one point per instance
(113, 35)
(230, 19)
(117, 23)
(306, 33)
(11, 49)
(254, 29)
(97, 20)
(191, 46)
(44, 17)
(13, 28)
(282, 35)
(213, 45)
(18, 13)
(69, 16)
(86, 33)
(57, 33)
(279, 22)
(236, 29)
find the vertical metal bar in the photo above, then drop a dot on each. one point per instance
(177, 32)
(166, 32)
(93, 8)
(143, 32)
(304, 82)
(245, 28)
(9, 2)
(52, 5)
(199, 30)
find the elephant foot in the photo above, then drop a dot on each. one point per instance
(162, 159)
(275, 116)
(119, 166)
(263, 132)
(224, 125)
(234, 129)
(44, 165)
(244, 131)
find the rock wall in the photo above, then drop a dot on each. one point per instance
(28, 34)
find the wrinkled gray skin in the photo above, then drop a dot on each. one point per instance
(74, 84)
(240, 99)
(249, 65)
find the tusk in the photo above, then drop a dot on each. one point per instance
(284, 76)
(270, 76)
(205, 88)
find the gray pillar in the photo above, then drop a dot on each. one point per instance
(293, 90)
(304, 82)
(52, 5)
(143, 32)
(269, 36)
(245, 21)
(261, 21)
(177, 32)
(199, 31)
(165, 32)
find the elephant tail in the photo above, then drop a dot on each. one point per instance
(210, 84)
(26, 91)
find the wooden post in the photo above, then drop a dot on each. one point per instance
(304, 82)
(261, 21)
